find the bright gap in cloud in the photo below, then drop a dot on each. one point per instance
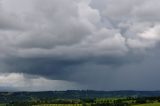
(18, 82)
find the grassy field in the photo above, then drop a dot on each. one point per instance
(149, 104)
(59, 105)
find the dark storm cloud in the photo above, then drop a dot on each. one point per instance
(53, 68)
(78, 40)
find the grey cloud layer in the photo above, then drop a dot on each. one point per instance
(64, 39)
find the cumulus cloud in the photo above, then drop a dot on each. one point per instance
(64, 39)
(21, 82)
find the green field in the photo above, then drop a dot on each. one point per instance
(149, 104)
(59, 105)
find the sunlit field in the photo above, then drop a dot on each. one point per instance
(149, 104)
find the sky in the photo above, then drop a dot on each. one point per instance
(48, 45)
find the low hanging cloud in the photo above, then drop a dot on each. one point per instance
(21, 82)
(65, 39)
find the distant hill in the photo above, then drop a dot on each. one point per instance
(72, 94)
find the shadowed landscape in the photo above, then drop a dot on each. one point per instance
(81, 98)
